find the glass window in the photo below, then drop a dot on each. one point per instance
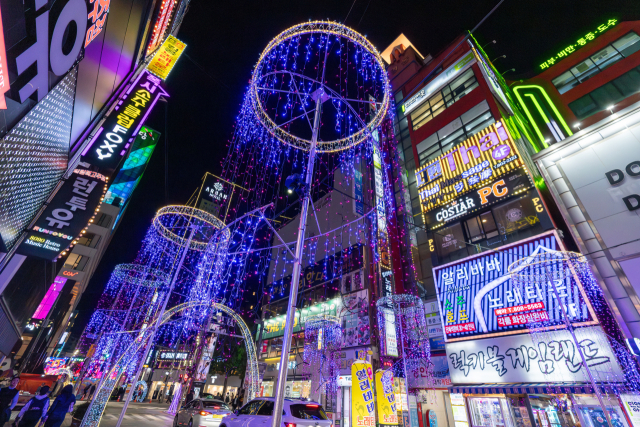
(489, 225)
(584, 107)
(584, 70)
(565, 82)
(76, 262)
(103, 220)
(250, 408)
(606, 96)
(449, 240)
(628, 44)
(516, 215)
(628, 83)
(308, 412)
(474, 229)
(606, 57)
(480, 123)
(486, 412)
(266, 408)
(398, 96)
(215, 404)
(89, 239)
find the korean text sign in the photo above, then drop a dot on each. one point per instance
(478, 297)
(66, 215)
(166, 57)
(475, 162)
(362, 401)
(534, 358)
(387, 412)
(121, 127)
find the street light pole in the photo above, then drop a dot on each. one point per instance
(297, 266)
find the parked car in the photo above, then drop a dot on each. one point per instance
(295, 413)
(202, 412)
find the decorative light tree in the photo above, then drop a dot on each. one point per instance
(322, 345)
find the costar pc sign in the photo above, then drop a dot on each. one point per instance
(474, 163)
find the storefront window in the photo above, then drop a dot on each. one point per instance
(297, 389)
(450, 243)
(591, 414)
(487, 412)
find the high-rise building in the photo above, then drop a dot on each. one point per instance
(71, 121)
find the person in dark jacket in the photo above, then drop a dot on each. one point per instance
(8, 400)
(34, 410)
(189, 397)
(91, 391)
(63, 404)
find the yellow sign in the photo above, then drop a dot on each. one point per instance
(362, 403)
(387, 411)
(166, 57)
(474, 163)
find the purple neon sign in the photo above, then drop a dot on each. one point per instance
(50, 298)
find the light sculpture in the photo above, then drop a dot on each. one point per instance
(322, 345)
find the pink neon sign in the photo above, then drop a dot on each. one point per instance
(50, 298)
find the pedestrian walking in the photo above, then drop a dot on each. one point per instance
(8, 400)
(226, 399)
(63, 404)
(34, 410)
(91, 391)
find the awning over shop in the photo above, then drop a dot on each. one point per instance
(522, 388)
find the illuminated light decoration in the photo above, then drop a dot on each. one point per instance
(487, 155)
(160, 27)
(590, 36)
(171, 221)
(50, 298)
(4, 76)
(103, 391)
(122, 125)
(175, 402)
(321, 357)
(537, 95)
(39, 145)
(134, 166)
(97, 18)
(614, 372)
(141, 391)
(264, 80)
(166, 57)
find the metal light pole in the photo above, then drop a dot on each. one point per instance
(297, 266)
(156, 326)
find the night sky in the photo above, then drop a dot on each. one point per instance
(225, 38)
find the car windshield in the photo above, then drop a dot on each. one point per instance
(215, 405)
(308, 412)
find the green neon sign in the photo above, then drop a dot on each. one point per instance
(590, 36)
(538, 93)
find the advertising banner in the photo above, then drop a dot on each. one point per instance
(477, 161)
(534, 358)
(215, 195)
(413, 410)
(434, 375)
(478, 297)
(166, 57)
(358, 194)
(472, 201)
(362, 403)
(390, 336)
(66, 215)
(112, 141)
(386, 398)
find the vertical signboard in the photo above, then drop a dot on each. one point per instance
(631, 403)
(166, 57)
(390, 336)
(70, 210)
(413, 410)
(386, 399)
(362, 403)
(4, 76)
(358, 195)
(386, 272)
(111, 142)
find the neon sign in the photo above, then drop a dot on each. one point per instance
(4, 77)
(489, 154)
(590, 36)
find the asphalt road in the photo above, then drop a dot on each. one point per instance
(138, 414)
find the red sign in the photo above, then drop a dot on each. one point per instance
(523, 319)
(462, 327)
(519, 308)
(4, 76)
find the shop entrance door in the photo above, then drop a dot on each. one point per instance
(487, 412)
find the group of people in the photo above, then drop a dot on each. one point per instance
(233, 400)
(38, 409)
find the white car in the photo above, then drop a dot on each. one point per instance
(295, 413)
(202, 413)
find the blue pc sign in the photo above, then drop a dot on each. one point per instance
(477, 296)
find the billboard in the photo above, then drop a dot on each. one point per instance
(534, 358)
(134, 166)
(50, 298)
(113, 139)
(386, 398)
(478, 298)
(166, 57)
(70, 210)
(477, 161)
(215, 194)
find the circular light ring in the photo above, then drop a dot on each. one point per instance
(548, 265)
(140, 275)
(322, 321)
(330, 28)
(399, 299)
(207, 224)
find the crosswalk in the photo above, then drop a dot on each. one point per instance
(146, 417)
